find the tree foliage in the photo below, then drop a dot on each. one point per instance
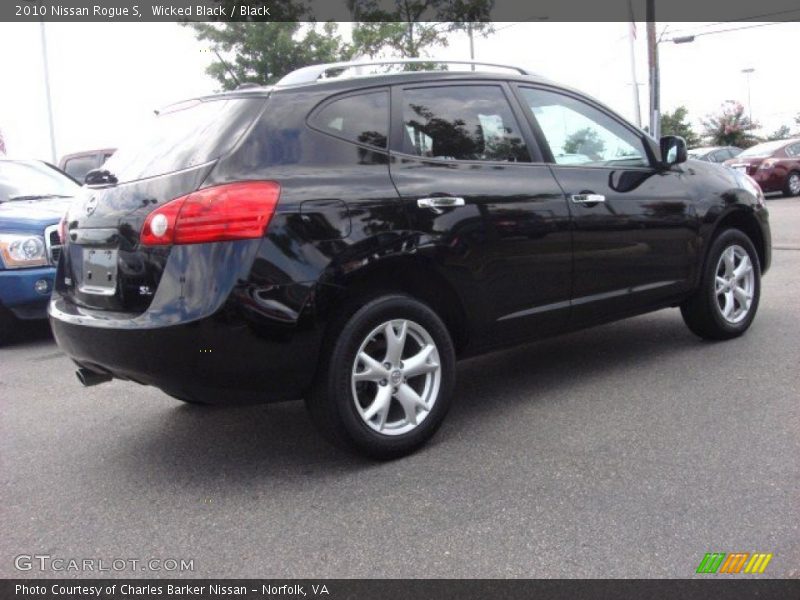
(730, 127)
(410, 28)
(262, 53)
(676, 123)
(781, 133)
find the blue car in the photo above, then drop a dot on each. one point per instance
(34, 196)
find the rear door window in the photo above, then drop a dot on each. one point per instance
(361, 118)
(461, 122)
(184, 135)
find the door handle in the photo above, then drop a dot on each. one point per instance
(588, 198)
(440, 202)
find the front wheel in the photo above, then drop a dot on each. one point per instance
(387, 384)
(725, 304)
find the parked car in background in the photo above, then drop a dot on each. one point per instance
(34, 196)
(774, 165)
(77, 165)
(315, 240)
(715, 154)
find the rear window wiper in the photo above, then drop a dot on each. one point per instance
(100, 176)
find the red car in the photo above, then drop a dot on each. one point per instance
(774, 165)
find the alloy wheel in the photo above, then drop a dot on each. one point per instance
(396, 377)
(794, 184)
(734, 285)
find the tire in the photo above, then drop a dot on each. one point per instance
(362, 406)
(719, 309)
(792, 185)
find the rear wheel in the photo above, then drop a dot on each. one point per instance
(725, 304)
(387, 384)
(792, 186)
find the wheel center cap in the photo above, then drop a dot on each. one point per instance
(396, 377)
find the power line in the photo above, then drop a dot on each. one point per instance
(750, 18)
(672, 39)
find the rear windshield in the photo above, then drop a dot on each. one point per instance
(183, 136)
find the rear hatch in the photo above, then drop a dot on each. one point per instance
(106, 266)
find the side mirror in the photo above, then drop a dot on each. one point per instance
(673, 150)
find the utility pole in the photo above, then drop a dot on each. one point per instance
(637, 111)
(652, 55)
(747, 73)
(53, 157)
(471, 35)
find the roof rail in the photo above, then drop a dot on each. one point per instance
(313, 73)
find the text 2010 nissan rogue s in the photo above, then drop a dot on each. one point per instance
(345, 239)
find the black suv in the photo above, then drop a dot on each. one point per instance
(344, 238)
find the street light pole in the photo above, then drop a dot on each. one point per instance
(747, 73)
(48, 100)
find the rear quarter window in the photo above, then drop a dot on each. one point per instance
(184, 136)
(361, 118)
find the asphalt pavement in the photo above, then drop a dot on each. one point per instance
(629, 450)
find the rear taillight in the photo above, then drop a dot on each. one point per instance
(233, 211)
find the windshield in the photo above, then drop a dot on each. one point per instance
(763, 149)
(183, 136)
(32, 180)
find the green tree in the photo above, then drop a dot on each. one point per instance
(262, 53)
(730, 127)
(676, 123)
(781, 133)
(585, 141)
(411, 27)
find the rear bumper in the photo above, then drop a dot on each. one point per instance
(19, 295)
(228, 357)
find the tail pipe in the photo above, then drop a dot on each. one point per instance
(87, 377)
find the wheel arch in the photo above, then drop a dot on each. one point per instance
(744, 219)
(410, 275)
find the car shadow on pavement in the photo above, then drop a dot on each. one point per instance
(28, 333)
(242, 444)
(534, 372)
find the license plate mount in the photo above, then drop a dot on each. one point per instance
(99, 271)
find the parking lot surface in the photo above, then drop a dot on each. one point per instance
(629, 450)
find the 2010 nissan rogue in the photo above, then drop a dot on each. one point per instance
(344, 237)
